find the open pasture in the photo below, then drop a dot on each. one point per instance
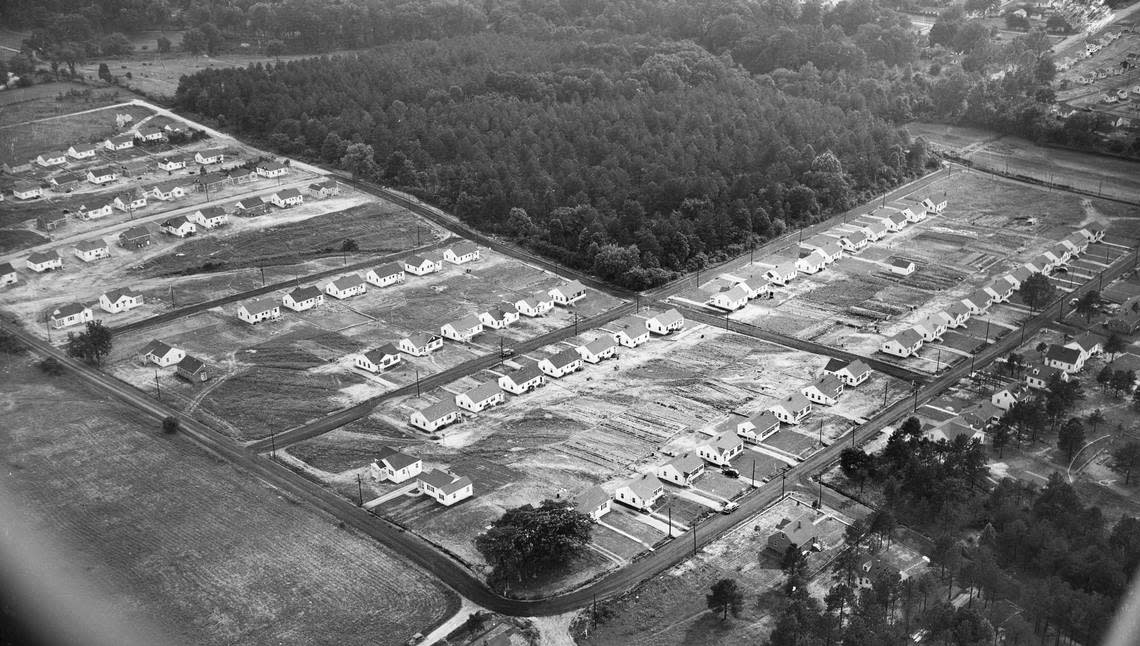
(231, 561)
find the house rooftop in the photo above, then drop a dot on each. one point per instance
(388, 269)
(90, 245)
(572, 287)
(157, 348)
(115, 294)
(39, 257)
(348, 282)
(525, 374)
(191, 364)
(376, 355)
(829, 385)
(468, 322)
(288, 193)
(135, 233)
(446, 482)
(439, 410)
(646, 486)
(796, 402)
(394, 459)
(668, 317)
(600, 344)
(483, 391)
(687, 462)
(305, 293)
(175, 222)
(591, 499)
(69, 309)
(1061, 353)
(835, 365)
(464, 248)
(259, 306)
(564, 358)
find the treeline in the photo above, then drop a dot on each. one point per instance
(1062, 562)
(635, 158)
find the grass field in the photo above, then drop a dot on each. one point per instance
(24, 142)
(377, 227)
(183, 542)
(18, 105)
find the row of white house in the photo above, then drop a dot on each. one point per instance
(909, 341)
(631, 331)
(721, 448)
(817, 253)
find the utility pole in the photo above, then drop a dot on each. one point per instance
(914, 385)
(670, 509)
(273, 446)
(820, 478)
(885, 384)
(262, 276)
(987, 331)
(417, 382)
(821, 432)
(172, 302)
(575, 324)
(694, 540)
(157, 387)
(47, 326)
(783, 477)
(754, 474)
(359, 490)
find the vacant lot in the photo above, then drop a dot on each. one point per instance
(184, 543)
(1095, 173)
(53, 99)
(24, 142)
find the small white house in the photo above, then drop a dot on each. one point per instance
(161, 354)
(462, 330)
(179, 226)
(27, 191)
(902, 267)
(174, 189)
(119, 142)
(850, 373)
(303, 298)
(481, 397)
(172, 163)
(104, 175)
(210, 156)
(904, 344)
(500, 316)
(446, 488)
(759, 427)
(129, 201)
(81, 151)
(535, 305)
(210, 217)
(931, 328)
(41, 261)
(792, 410)
(812, 263)
(96, 213)
(721, 449)
(1088, 345)
(420, 345)
(436, 416)
(1071, 360)
(567, 294)
(92, 250)
(346, 287)
(978, 302)
(664, 322)
(258, 310)
(594, 502)
(782, 274)
(70, 314)
(630, 331)
(287, 198)
(461, 253)
(394, 466)
(826, 390)
(385, 275)
(853, 242)
(730, 298)
(523, 380)
(1000, 289)
(598, 350)
(120, 300)
(8, 275)
(955, 315)
(271, 169)
(682, 470)
(378, 359)
(53, 158)
(421, 266)
(642, 493)
(562, 363)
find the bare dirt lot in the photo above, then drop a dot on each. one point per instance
(185, 544)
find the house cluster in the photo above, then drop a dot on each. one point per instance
(114, 301)
(1061, 361)
(819, 252)
(162, 355)
(721, 448)
(909, 341)
(84, 152)
(396, 467)
(631, 331)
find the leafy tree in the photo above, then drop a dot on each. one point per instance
(195, 42)
(1122, 381)
(349, 245)
(1095, 418)
(92, 344)
(9, 344)
(1114, 345)
(529, 541)
(725, 596)
(883, 523)
(1104, 377)
(105, 73)
(1037, 291)
(170, 424)
(1088, 304)
(51, 366)
(1071, 437)
(1000, 437)
(1125, 458)
(162, 43)
(116, 44)
(359, 159)
(1014, 362)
